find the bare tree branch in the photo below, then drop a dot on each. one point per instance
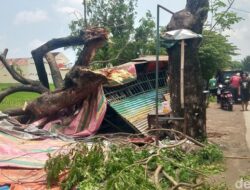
(28, 85)
(13, 73)
(83, 38)
(88, 52)
(27, 88)
(55, 72)
(5, 52)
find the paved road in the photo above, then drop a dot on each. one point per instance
(247, 122)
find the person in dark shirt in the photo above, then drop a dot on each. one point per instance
(219, 77)
(244, 91)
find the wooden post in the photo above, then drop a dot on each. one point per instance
(182, 73)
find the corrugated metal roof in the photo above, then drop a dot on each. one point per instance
(136, 108)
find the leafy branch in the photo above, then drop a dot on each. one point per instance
(106, 165)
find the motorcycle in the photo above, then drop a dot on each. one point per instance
(225, 97)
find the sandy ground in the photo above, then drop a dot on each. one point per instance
(231, 131)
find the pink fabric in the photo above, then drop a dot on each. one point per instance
(87, 121)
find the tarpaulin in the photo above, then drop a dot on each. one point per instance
(119, 75)
(24, 179)
(87, 121)
(182, 34)
(171, 37)
(15, 152)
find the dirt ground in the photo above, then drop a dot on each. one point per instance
(230, 130)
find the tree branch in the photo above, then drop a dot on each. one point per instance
(28, 88)
(55, 72)
(83, 38)
(156, 176)
(5, 52)
(13, 73)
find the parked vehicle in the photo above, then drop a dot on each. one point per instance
(225, 97)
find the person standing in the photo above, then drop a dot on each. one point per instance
(244, 91)
(212, 86)
(219, 81)
(235, 85)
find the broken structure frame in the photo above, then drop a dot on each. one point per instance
(157, 61)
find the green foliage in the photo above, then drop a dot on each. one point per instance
(215, 53)
(223, 18)
(128, 42)
(246, 63)
(118, 17)
(236, 65)
(210, 154)
(145, 35)
(129, 167)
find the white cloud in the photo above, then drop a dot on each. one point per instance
(70, 2)
(66, 10)
(70, 8)
(35, 44)
(27, 17)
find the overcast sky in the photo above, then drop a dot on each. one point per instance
(26, 24)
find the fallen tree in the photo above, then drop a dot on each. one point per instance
(77, 85)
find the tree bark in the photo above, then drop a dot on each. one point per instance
(194, 112)
(79, 84)
(55, 72)
(85, 37)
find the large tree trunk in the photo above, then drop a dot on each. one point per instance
(80, 83)
(194, 112)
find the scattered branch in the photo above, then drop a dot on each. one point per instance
(238, 157)
(156, 176)
(180, 133)
(171, 179)
(190, 186)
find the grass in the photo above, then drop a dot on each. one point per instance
(16, 100)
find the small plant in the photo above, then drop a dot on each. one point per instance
(210, 154)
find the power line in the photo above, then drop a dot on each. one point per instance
(231, 4)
